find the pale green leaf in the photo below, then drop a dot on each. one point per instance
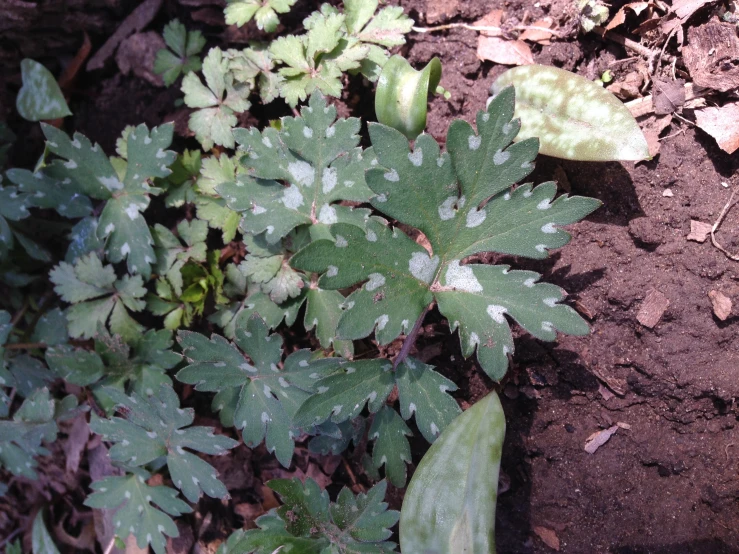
(40, 97)
(573, 117)
(450, 502)
(41, 541)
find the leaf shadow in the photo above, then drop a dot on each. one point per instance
(609, 182)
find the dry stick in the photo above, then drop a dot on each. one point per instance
(485, 28)
(25, 345)
(630, 44)
(716, 225)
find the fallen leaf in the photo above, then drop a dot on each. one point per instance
(652, 128)
(547, 536)
(652, 308)
(628, 87)
(135, 22)
(599, 438)
(668, 96)
(721, 304)
(539, 35)
(715, 122)
(685, 8)
(492, 47)
(709, 54)
(137, 54)
(699, 231)
(76, 443)
(620, 17)
(505, 52)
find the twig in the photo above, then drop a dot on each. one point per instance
(110, 546)
(410, 340)
(486, 28)
(11, 537)
(356, 484)
(631, 45)
(716, 225)
(644, 106)
(25, 345)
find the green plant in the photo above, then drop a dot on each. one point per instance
(300, 219)
(293, 66)
(308, 522)
(182, 56)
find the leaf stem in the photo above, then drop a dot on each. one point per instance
(410, 339)
(485, 28)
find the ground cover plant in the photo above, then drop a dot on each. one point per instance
(166, 302)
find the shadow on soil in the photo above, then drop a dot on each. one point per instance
(705, 546)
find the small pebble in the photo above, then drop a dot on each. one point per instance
(668, 193)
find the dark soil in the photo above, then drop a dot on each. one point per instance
(670, 483)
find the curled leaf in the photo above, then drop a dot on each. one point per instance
(573, 118)
(449, 506)
(40, 97)
(401, 100)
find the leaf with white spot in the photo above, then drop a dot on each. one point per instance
(463, 204)
(172, 252)
(87, 170)
(423, 393)
(343, 395)
(573, 117)
(155, 427)
(217, 101)
(298, 173)
(140, 510)
(13, 207)
(40, 97)
(259, 397)
(47, 192)
(22, 437)
(397, 270)
(323, 311)
(391, 448)
(97, 297)
(307, 523)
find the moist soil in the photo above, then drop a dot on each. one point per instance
(666, 481)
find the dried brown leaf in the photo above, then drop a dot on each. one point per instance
(699, 231)
(652, 128)
(685, 8)
(537, 31)
(722, 124)
(620, 17)
(668, 96)
(76, 443)
(548, 537)
(505, 52)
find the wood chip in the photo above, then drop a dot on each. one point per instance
(135, 22)
(699, 231)
(717, 123)
(721, 304)
(547, 536)
(644, 106)
(652, 308)
(599, 438)
(709, 54)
